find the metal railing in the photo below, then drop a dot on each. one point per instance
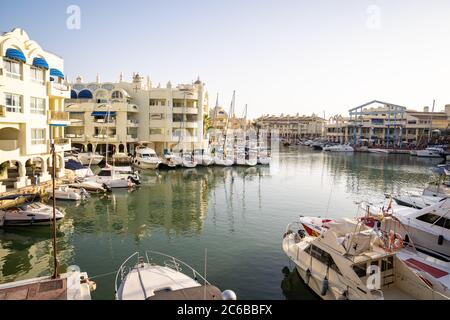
(168, 261)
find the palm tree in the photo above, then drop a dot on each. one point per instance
(207, 124)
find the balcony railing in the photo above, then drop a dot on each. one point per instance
(58, 116)
(61, 141)
(59, 86)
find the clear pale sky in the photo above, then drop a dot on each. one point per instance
(280, 56)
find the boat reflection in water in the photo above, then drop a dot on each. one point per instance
(294, 288)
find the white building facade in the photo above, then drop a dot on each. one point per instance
(123, 114)
(32, 93)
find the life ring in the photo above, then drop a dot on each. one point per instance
(395, 241)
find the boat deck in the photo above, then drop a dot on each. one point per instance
(394, 293)
(49, 289)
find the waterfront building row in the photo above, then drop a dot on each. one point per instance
(295, 127)
(387, 124)
(122, 114)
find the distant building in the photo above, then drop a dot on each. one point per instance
(387, 124)
(169, 117)
(293, 126)
(32, 93)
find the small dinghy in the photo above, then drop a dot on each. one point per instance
(146, 280)
(29, 214)
(91, 186)
(69, 193)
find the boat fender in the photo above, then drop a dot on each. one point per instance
(308, 275)
(440, 239)
(324, 289)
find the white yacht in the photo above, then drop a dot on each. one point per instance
(350, 261)
(88, 158)
(416, 201)
(203, 158)
(172, 158)
(339, 148)
(188, 160)
(66, 192)
(116, 177)
(146, 158)
(263, 156)
(146, 280)
(223, 160)
(431, 152)
(29, 214)
(434, 272)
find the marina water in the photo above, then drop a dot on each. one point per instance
(239, 214)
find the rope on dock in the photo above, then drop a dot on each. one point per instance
(103, 274)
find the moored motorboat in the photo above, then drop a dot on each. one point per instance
(29, 214)
(339, 148)
(145, 158)
(188, 161)
(431, 152)
(350, 261)
(202, 158)
(147, 280)
(66, 192)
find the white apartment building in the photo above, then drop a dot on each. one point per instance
(123, 114)
(32, 93)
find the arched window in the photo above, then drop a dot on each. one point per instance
(85, 94)
(73, 94)
(117, 95)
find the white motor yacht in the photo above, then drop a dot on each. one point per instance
(172, 158)
(29, 214)
(339, 148)
(431, 152)
(146, 158)
(88, 158)
(68, 193)
(116, 177)
(203, 158)
(351, 261)
(147, 280)
(416, 201)
(188, 161)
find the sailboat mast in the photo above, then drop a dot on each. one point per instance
(431, 122)
(55, 254)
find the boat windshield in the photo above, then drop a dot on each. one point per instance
(105, 173)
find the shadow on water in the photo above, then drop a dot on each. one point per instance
(294, 288)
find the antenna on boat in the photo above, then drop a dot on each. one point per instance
(204, 288)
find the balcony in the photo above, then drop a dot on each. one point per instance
(103, 123)
(60, 118)
(76, 123)
(186, 125)
(104, 138)
(132, 123)
(132, 138)
(187, 110)
(61, 144)
(75, 137)
(58, 90)
(184, 139)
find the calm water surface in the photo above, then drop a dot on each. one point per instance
(238, 214)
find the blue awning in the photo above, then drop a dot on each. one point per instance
(40, 63)
(85, 94)
(15, 55)
(102, 113)
(56, 73)
(73, 94)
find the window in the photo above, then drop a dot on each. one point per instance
(117, 95)
(360, 269)
(37, 136)
(37, 105)
(156, 131)
(13, 69)
(37, 75)
(13, 102)
(323, 257)
(435, 219)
